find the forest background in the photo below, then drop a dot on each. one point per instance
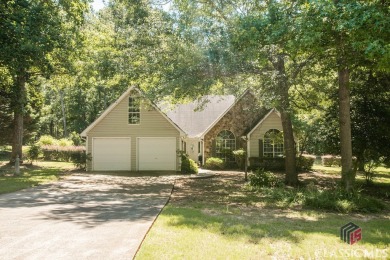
(323, 64)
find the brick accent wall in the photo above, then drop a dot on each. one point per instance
(239, 120)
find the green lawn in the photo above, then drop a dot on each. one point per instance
(219, 218)
(31, 175)
(381, 174)
(329, 170)
(190, 233)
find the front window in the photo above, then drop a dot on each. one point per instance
(134, 110)
(225, 145)
(273, 144)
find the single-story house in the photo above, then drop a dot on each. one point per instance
(134, 134)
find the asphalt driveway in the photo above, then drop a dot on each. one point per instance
(85, 216)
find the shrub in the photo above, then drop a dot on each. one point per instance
(310, 197)
(327, 160)
(261, 178)
(60, 153)
(239, 156)
(330, 160)
(254, 162)
(338, 200)
(214, 163)
(79, 159)
(337, 161)
(47, 140)
(76, 139)
(305, 162)
(188, 165)
(34, 152)
(65, 142)
(277, 163)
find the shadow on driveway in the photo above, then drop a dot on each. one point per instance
(86, 211)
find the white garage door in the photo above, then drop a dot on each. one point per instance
(156, 154)
(111, 154)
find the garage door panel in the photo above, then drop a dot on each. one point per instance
(157, 154)
(111, 154)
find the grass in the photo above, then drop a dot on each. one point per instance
(220, 218)
(381, 181)
(31, 175)
(200, 234)
(328, 170)
(381, 174)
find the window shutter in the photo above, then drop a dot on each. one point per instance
(261, 148)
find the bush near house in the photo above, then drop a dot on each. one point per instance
(277, 164)
(304, 163)
(214, 163)
(79, 159)
(239, 156)
(188, 165)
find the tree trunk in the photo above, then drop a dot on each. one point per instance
(19, 105)
(347, 172)
(63, 113)
(289, 147)
(284, 107)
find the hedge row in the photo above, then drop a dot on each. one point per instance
(330, 160)
(61, 153)
(303, 163)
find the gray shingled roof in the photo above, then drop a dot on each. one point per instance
(195, 117)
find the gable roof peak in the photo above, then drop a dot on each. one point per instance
(119, 100)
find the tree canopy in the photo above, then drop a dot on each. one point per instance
(323, 64)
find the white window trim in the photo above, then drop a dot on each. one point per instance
(134, 113)
(225, 141)
(274, 153)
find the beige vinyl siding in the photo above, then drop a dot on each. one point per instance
(273, 121)
(115, 124)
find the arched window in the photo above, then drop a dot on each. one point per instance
(273, 144)
(225, 144)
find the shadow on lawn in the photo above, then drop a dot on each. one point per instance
(7, 168)
(90, 200)
(276, 224)
(221, 206)
(30, 176)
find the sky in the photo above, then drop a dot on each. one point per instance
(97, 5)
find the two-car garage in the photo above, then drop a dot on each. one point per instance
(133, 134)
(150, 153)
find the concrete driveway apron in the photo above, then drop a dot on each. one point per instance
(85, 216)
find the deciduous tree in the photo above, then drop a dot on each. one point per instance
(31, 33)
(345, 35)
